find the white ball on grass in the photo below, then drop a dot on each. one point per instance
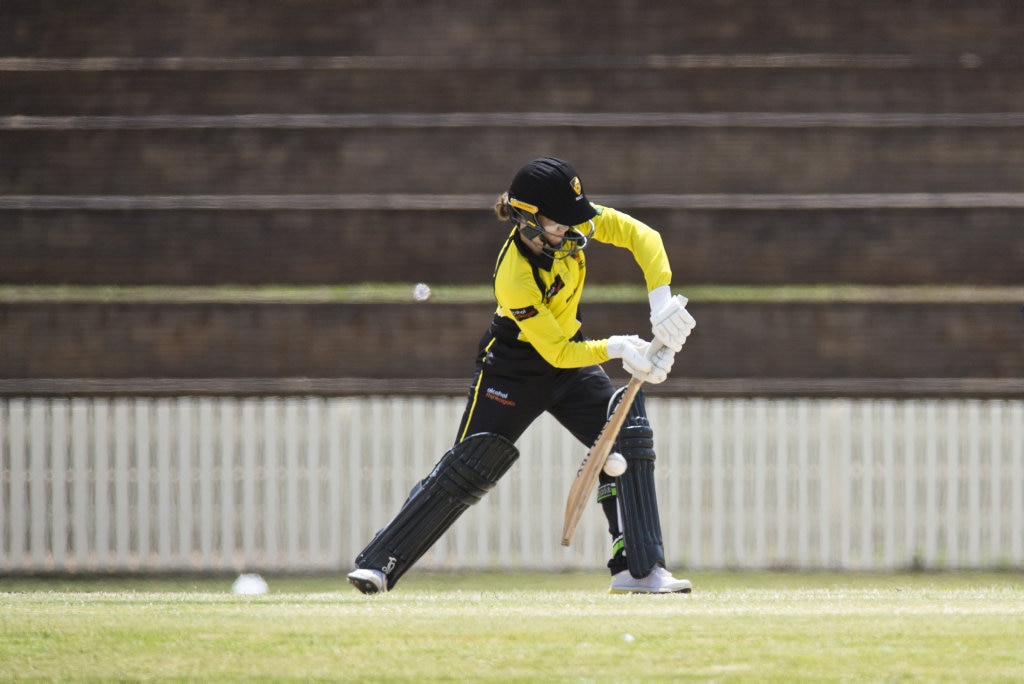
(615, 465)
(249, 584)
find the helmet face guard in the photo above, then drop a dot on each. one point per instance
(525, 215)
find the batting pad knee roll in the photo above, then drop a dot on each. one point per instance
(460, 479)
(637, 498)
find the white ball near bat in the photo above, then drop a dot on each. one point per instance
(615, 465)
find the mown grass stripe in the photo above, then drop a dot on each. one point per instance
(483, 293)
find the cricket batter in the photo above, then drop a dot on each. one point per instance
(534, 358)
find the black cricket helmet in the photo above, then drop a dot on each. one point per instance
(551, 187)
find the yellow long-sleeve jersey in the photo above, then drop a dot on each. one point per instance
(542, 294)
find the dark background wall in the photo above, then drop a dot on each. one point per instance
(313, 142)
(209, 340)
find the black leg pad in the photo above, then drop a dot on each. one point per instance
(641, 521)
(460, 479)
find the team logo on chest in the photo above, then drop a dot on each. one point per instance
(555, 288)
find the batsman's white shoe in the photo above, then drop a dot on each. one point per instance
(368, 581)
(660, 581)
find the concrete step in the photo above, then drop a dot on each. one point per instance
(477, 154)
(934, 389)
(880, 245)
(437, 340)
(681, 83)
(472, 28)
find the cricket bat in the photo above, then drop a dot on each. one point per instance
(593, 462)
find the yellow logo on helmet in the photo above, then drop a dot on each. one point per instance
(576, 186)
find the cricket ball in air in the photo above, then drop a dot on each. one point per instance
(615, 465)
(421, 292)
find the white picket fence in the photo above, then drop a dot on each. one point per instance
(300, 484)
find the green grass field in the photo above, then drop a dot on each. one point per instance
(363, 293)
(518, 627)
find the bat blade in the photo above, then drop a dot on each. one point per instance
(590, 469)
(593, 463)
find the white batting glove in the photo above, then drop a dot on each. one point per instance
(661, 365)
(671, 323)
(632, 350)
